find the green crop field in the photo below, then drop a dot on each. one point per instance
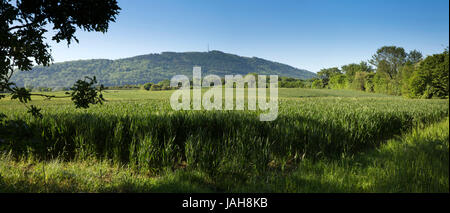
(322, 141)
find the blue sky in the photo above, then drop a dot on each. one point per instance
(308, 34)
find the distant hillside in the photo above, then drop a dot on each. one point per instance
(153, 68)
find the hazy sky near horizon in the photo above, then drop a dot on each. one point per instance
(307, 34)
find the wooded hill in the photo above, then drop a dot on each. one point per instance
(153, 68)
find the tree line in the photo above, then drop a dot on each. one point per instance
(392, 71)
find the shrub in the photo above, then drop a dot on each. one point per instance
(338, 82)
(147, 86)
(317, 84)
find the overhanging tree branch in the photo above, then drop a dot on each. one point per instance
(23, 43)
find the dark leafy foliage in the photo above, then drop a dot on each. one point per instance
(84, 93)
(36, 112)
(22, 94)
(23, 24)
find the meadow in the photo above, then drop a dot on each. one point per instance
(322, 141)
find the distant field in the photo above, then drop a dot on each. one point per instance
(282, 92)
(160, 99)
(138, 129)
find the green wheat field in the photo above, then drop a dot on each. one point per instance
(322, 141)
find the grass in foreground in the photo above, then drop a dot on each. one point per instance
(415, 162)
(148, 134)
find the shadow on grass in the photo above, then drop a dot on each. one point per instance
(112, 137)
